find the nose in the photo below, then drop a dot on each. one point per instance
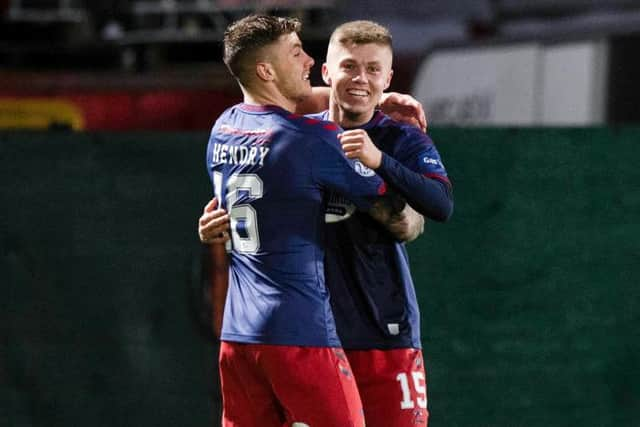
(360, 75)
(310, 60)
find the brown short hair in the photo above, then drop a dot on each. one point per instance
(361, 32)
(244, 38)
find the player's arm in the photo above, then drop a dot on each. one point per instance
(404, 108)
(213, 229)
(429, 196)
(318, 101)
(400, 107)
(405, 225)
(219, 282)
(333, 171)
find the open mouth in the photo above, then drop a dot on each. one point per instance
(361, 93)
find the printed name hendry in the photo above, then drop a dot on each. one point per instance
(238, 154)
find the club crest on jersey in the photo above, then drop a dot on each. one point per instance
(362, 169)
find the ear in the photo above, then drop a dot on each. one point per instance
(265, 71)
(325, 74)
(388, 82)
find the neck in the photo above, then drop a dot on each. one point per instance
(267, 96)
(347, 119)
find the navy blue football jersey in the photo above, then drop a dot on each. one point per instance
(366, 268)
(271, 169)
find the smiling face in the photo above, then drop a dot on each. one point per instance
(358, 75)
(291, 67)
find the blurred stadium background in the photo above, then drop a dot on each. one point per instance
(531, 314)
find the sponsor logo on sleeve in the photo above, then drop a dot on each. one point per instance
(431, 161)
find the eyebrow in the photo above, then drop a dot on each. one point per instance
(366, 63)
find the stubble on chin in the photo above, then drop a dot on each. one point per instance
(352, 115)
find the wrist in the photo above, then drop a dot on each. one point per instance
(377, 161)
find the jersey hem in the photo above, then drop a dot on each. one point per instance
(259, 339)
(383, 345)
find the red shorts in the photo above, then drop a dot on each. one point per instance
(392, 385)
(274, 386)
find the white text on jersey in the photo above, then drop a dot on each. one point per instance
(239, 154)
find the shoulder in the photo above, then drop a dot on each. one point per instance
(230, 112)
(402, 132)
(226, 116)
(313, 126)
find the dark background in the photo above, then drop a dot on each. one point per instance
(156, 64)
(528, 295)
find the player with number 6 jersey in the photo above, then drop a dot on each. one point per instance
(271, 171)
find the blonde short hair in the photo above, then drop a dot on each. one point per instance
(361, 32)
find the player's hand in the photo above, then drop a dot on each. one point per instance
(404, 108)
(386, 207)
(406, 225)
(213, 225)
(356, 144)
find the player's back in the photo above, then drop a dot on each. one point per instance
(271, 169)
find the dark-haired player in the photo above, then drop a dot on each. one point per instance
(280, 356)
(367, 268)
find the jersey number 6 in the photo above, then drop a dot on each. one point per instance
(244, 218)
